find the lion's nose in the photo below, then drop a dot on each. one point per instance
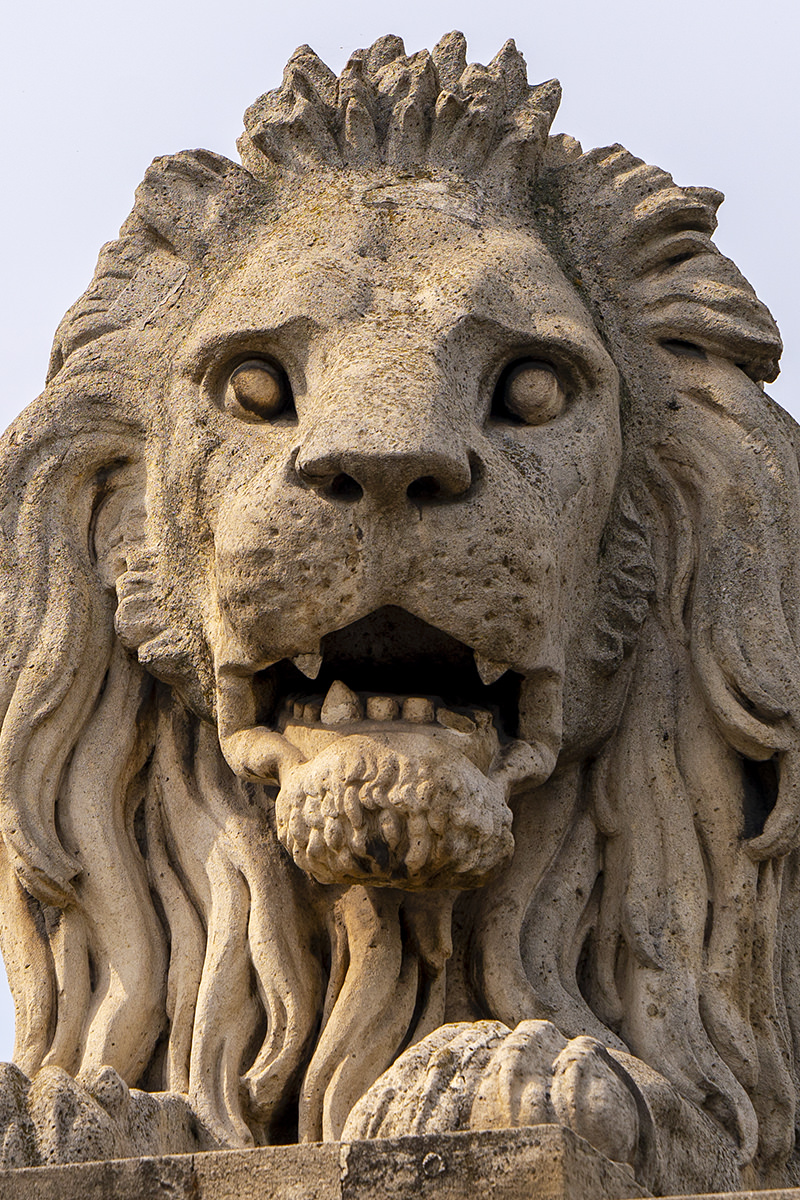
(386, 475)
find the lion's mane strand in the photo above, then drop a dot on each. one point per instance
(425, 112)
(72, 747)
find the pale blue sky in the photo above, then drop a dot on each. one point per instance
(91, 91)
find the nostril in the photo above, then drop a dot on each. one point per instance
(344, 487)
(427, 487)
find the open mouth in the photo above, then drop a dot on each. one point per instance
(395, 747)
(393, 677)
(388, 666)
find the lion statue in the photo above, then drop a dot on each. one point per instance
(400, 693)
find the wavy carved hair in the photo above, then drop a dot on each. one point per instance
(652, 898)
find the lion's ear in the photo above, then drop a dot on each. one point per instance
(118, 522)
(187, 205)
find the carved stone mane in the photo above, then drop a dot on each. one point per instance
(400, 589)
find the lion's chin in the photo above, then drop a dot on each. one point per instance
(394, 809)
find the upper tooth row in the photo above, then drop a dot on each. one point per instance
(341, 706)
(488, 670)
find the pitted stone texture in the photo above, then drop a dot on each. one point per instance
(543, 1163)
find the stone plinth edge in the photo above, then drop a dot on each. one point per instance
(543, 1162)
(772, 1194)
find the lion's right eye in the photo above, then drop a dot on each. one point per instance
(530, 391)
(257, 388)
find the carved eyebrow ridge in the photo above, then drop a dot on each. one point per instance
(566, 345)
(197, 356)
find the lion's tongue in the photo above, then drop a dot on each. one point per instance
(401, 808)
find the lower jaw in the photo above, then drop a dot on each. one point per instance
(418, 799)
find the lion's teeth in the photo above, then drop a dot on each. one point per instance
(382, 708)
(309, 664)
(340, 705)
(488, 670)
(454, 720)
(418, 709)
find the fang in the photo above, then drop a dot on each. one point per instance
(309, 664)
(489, 671)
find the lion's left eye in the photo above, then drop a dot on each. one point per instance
(257, 388)
(531, 391)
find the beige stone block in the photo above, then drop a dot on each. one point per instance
(539, 1163)
(123, 1179)
(311, 1172)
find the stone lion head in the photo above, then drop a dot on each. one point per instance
(400, 600)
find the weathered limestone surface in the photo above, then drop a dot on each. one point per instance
(545, 1163)
(400, 692)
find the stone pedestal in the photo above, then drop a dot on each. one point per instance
(545, 1162)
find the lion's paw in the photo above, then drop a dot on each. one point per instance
(71, 1124)
(483, 1075)
(55, 1119)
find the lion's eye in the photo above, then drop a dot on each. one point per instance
(257, 388)
(531, 391)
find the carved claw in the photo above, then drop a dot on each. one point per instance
(591, 1099)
